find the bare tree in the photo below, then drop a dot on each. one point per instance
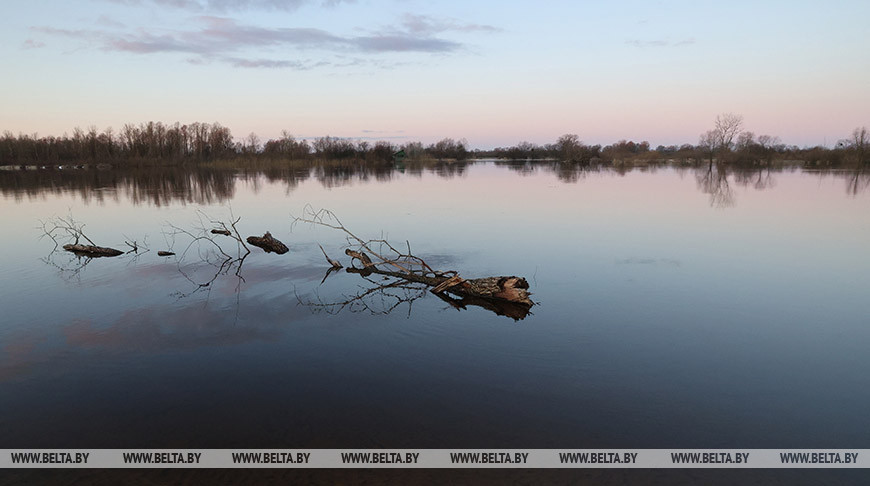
(721, 139)
(568, 146)
(708, 143)
(860, 142)
(728, 127)
(252, 143)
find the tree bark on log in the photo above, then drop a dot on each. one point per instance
(92, 250)
(497, 291)
(507, 289)
(268, 243)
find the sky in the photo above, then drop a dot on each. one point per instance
(491, 72)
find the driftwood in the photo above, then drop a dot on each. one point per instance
(335, 264)
(212, 258)
(92, 250)
(507, 295)
(508, 289)
(71, 230)
(503, 308)
(504, 295)
(362, 257)
(268, 243)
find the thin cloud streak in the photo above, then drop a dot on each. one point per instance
(106, 21)
(660, 43)
(220, 36)
(273, 63)
(428, 25)
(32, 44)
(231, 5)
(404, 43)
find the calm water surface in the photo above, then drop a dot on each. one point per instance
(676, 309)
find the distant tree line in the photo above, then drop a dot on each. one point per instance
(152, 140)
(725, 143)
(203, 142)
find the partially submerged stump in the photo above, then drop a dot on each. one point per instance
(268, 243)
(92, 250)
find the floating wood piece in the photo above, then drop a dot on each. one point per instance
(512, 289)
(165, 253)
(221, 232)
(92, 251)
(498, 289)
(268, 243)
(362, 257)
(332, 262)
(450, 282)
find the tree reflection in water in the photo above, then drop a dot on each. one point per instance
(713, 180)
(208, 185)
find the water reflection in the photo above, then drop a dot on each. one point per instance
(758, 179)
(160, 186)
(145, 330)
(157, 186)
(214, 253)
(645, 289)
(713, 180)
(857, 181)
(376, 298)
(382, 297)
(567, 171)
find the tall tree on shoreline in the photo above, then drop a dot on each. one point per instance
(720, 140)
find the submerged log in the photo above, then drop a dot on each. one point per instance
(220, 232)
(92, 250)
(450, 282)
(496, 289)
(511, 289)
(165, 253)
(268, 243)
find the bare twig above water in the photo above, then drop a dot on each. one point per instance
(207, 254)
(203, 240)
(68, 232)
(504, 295)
